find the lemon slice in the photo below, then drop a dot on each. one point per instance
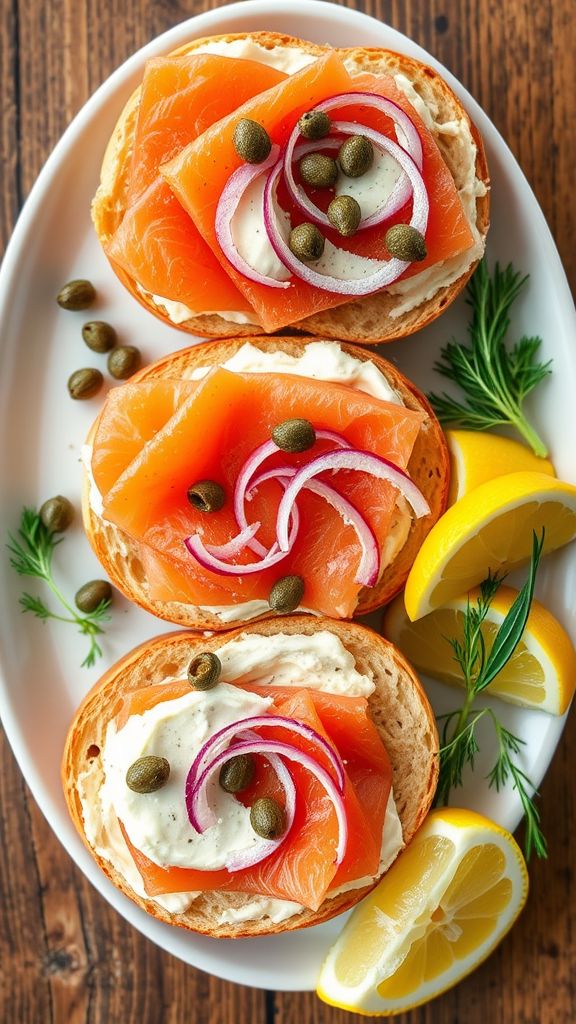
(540, 674)
(478, 457)
(439, 912)
(488, 529)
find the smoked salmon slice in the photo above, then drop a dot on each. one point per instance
(303, 869)
(209, 436)
(198, 174)
(157, 244)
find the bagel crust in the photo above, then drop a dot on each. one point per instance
(372, 319)
(399, 708)
(429, 468)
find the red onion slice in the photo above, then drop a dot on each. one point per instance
(221, 739)
(252, 464)
(197, 549)
(397, 198)
(266, 747)
(370, 275)
(365, 462)
(239, 859)
(236, 545)
(228, 203)
(385, 106)
(369, 567)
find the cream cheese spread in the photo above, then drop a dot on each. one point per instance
(321, 360)
(157, 823)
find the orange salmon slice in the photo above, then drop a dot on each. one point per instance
(209, 436)
(198, 174)
(304, 868)
(157, 244)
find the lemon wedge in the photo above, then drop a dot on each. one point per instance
(540, 674)
(477, 457)
(488, 529)
(436, 915)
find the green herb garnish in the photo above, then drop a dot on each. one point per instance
(459, 744)
(495, 380)
(32, 556)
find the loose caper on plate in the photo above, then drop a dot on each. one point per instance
(99, 336)
(76, 295)
(92, 594)
(85, 383)
(124, 361)
(57, 513)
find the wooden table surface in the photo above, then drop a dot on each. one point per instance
(65, 955)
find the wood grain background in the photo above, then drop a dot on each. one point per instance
(65, 956)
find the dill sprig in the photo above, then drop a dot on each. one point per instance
(494, 378)
(459, 741)
(31, 555)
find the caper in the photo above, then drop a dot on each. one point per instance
(294, 435)
(124, 361)
(355, 156)
(206, 496)
(318, 170)
(76, 295)
(148, 774)
(314, 124)
(344, 214)
(286, 594)
(237, 773)
(251, 141)
(93, 594)
(204, 671)
(405, 243)
(267, 818)
(85, 383)
(99, 336)
(57, 513)
(306, 242)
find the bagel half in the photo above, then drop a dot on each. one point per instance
(399, 708)
(375, 318)
(429, 468)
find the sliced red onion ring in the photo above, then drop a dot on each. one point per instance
(369, 567)
(221, 739)
(239, 859)
(252, 464)
(390, 109)
(236, 545)
(402, 189)
(228, 203)
(365, 462)
(266, 747)
(396, 199)
(198, 551)
(371, 275)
